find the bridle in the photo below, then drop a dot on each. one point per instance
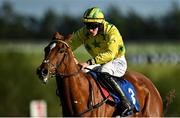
(53, 66)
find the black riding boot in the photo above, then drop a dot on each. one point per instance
(125, 102)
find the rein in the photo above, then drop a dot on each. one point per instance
(92, 107)
(68, 75)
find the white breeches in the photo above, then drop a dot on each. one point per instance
(115, 67)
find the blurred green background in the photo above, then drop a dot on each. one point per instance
(152, 45)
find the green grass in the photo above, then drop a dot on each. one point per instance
(19, 83)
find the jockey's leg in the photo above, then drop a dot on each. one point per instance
(125, 102)
(117, 68)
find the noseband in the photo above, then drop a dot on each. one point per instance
(46, 61)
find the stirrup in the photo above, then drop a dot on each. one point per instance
(127, 109)
(127, 112)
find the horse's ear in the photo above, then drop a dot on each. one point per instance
(68, 37)
(57, 35)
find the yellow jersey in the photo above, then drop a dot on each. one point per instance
(104, 47)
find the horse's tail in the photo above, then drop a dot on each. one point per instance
(169, 99)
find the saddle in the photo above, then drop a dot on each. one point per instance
(108, 92)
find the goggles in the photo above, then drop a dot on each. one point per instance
(92, 25)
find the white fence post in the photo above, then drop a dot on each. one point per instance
(38, 108)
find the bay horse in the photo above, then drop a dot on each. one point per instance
(78, 91)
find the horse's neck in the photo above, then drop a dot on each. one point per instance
(77, 76)
(76, 87)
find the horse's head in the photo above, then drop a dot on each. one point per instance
(55, 53)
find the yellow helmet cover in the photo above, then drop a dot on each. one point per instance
(93, 14)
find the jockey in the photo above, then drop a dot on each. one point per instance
(105, 44)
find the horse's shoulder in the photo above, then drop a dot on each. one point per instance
(137, 78)
(133, 76)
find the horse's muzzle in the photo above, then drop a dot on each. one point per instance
(42, 74)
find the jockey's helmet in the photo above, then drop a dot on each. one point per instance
(93, 14)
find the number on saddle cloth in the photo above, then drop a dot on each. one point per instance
(126, 86)
(130, 93)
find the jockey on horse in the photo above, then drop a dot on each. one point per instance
(105, 44)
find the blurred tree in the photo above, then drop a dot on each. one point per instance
(69, 24)
(151, 28)
(7, 11)
(32, 25)
(12, 24)
(134, 26)
(6, 17)
(116, 17)
(171, 23)
(48, 24)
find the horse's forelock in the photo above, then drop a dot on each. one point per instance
(68, 37)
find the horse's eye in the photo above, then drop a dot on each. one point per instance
(46, 49)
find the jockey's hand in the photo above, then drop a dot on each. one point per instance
(84, 65)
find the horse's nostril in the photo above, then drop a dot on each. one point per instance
(44, 72)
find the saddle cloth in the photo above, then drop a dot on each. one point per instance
(127, 88)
